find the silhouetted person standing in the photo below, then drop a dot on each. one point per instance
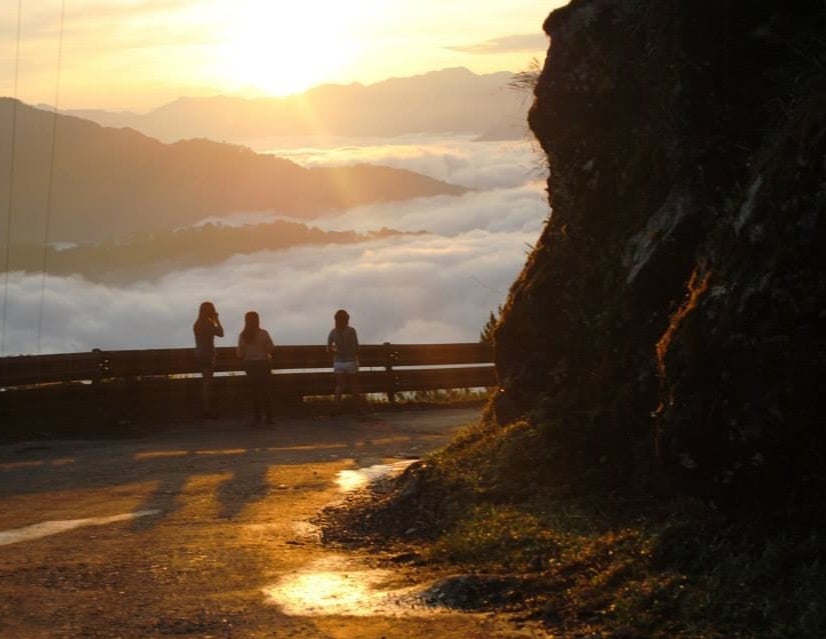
(206, 328)
(343, 342)
(255, 347)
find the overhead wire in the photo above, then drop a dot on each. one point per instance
(10, 202)
(50, 189)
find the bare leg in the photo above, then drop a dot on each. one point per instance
(266, 399)
(355, 388)
(341, 380)
(206, 392)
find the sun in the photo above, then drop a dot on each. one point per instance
(282, 49)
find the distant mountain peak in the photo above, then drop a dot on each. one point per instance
(451, 100)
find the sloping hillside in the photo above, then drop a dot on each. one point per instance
(111, 182)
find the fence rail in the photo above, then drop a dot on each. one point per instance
(301, 369)
(110, 393)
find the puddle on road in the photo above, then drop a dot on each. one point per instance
(349, 480)
(46, 528)
(336, 586)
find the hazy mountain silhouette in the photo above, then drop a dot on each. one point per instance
(112, 182)
(149, 255)
(446, 101)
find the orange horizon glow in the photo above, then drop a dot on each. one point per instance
(140, 54)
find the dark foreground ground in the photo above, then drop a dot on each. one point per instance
(203, 529)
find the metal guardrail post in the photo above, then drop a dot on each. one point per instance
(104, 368)
(390, 357)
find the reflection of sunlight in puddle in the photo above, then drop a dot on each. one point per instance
(349, 480)
(334, 586)
(46, 528)
(328, 587)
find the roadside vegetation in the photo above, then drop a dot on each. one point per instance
(583, 560)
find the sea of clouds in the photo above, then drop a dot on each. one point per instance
(440, 286)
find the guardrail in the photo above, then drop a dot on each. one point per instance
(301, 370)
(113, 393)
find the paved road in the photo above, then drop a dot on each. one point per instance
(201, 531)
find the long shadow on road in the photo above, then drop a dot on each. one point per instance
(224, 533)
(170, 459)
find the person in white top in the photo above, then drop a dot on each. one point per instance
(255, 347)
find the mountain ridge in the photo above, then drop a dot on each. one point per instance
(112, 182)
(445, 101)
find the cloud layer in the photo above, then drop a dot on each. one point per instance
(462, 161)
(435, 287)
(516, 42)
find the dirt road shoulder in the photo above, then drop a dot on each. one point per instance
(189, 532)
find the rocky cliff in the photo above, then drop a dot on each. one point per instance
(672, 311)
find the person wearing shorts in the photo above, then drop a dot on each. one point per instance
(343, 342)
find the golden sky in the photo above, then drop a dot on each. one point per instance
(139, 54)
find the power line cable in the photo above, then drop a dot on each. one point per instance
(12, 153)
(50, 189)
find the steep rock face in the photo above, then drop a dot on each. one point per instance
(674, 303)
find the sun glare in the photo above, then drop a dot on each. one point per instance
(281, 49)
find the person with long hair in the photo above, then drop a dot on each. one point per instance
(343, 342)
(255, 347)
(207, 327)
